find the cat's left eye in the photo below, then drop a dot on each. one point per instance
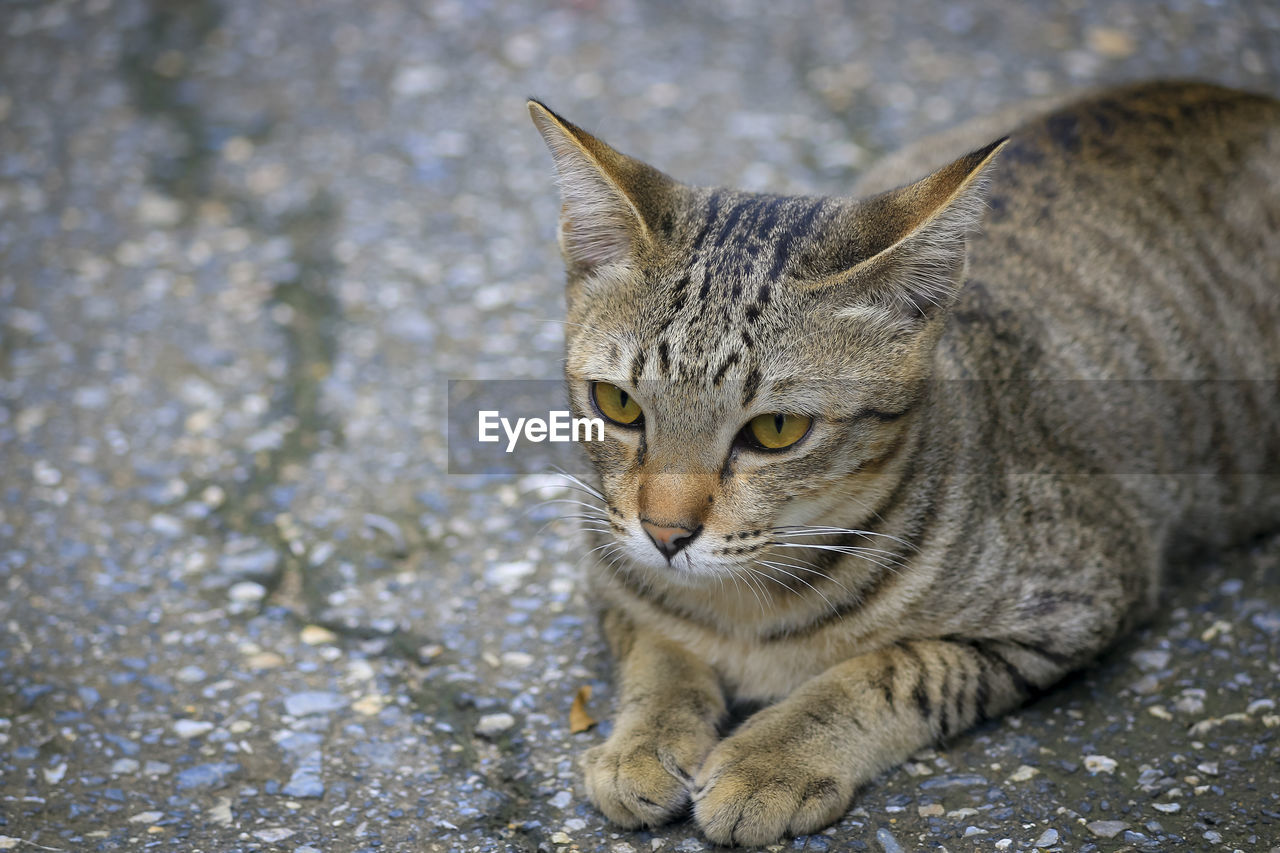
(616, 404)
(776, 431)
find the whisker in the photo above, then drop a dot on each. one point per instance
(821, 530)
(778, 567)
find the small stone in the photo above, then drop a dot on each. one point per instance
(518, 660)
(887, 841)
(1099, 764)
(191, 674)
(206, 775)
(1208, 768)
(1047, 839)
(1107, 828)
(315, 635)
(273, 835)
(264, 660)
(1260, 705)
(146, 817)
(1167, 808)
(1212, 837)
(125, 766)
(239, 727)
(493, 724)
(561, 838)
(1111, 43)
(191, 728)
(306, 783)
(1004, 843)
(970, 831)
(1151, 660)
(931, 810)
(562, 800)
(369, 705)
(220, 812)
(1160, 712)
(313, 702)
(247, 592)
(1023, 773)
(156, 768)
(166, 525)
(53, 775)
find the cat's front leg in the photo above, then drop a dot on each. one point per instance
(793, 768)
(670, 704)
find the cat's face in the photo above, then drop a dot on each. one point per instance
(740, 406)
(759, 360)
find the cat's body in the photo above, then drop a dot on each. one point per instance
(1016, 426)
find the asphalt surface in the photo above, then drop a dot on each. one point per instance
(244, 245)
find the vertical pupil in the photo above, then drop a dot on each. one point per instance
(622, 399)
(778, 421)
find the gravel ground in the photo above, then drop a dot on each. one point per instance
(244, 246)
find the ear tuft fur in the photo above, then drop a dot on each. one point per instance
(912, 241)
(604, 195)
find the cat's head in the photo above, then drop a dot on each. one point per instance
(758, 359)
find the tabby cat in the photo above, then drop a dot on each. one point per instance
(887, 467)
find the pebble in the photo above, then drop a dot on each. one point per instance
(1107, 828)
(973, 830)
(562, 800)
(124, 766)
(492, 724)
(1023, 773)
(931, 810)
(146, 817)
(191, 728)
(247, 592)
(306, 783)
(1151, 660)
(274, 834)
(313, 702)
(1099, 764)
(1047, 839)
(191, 674)
(206, 775)
(156, 768)
(315, 635)
(250, 565)
(1167, 808)
(1004, 843)
(887, 841)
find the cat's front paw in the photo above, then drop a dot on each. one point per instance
(764, 783)
(641, 775)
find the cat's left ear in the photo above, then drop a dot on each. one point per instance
(612, 204)
(902, 253)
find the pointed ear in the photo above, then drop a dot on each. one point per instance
(612, 204)
(904, 250)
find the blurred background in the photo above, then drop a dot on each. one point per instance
(243, 247)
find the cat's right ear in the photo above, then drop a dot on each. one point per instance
(610, 203)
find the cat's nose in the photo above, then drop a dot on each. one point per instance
(669, 540)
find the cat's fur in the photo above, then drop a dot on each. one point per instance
(1014, 525)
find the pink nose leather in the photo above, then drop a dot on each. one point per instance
(669, 540)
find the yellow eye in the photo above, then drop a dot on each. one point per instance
(616, 405)
(774, 432)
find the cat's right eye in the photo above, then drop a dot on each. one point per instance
(616, 404)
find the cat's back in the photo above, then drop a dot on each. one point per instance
(1131, 234)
